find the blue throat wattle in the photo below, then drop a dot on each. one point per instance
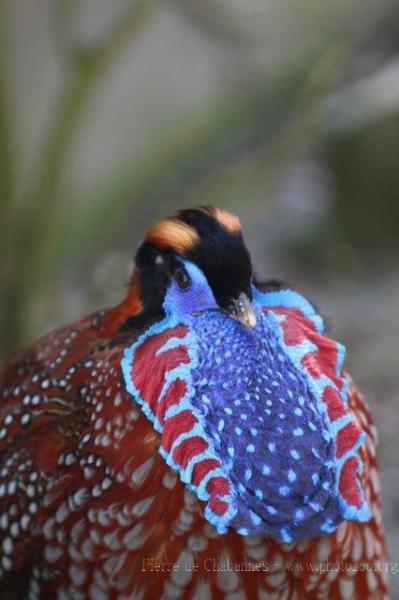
(242, 418)
(265, 423)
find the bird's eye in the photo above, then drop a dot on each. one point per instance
(182, 279)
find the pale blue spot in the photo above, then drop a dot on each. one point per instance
(271, 446)
(244, 417)
(298, 431)
(238, 431)
(250, 448)
(254, 431)
(255, 518)
(230, 450)
(228, 411)
(299, 514)
(259, 494)
(284, 490)
(298, 411)
(328, 526)
(312, 426)
(294, 454)
(266, 470)
(220, 425)
(315, 506)
(271, 510)
(285, 536)
(315, 478)
(248, 474)
(291, 475)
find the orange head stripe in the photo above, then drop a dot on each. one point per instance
(172, 233)
(224, 218)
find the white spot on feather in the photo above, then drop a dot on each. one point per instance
(133, 538)
(341, 532)
(324, 548)
(357, 547)
(53, 553)
(197, 543)
(227, 581)
(372, 581)
(139, 475)
(369, 542)
(78, 574)
(345, 588)
(141, 507)
(182, 574)
(202, 591)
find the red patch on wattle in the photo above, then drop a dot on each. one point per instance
(346, 438)
(175, 426)
(327, 354)
(297, 329)
(296, 326)
(146, 354)
(218, 486)
(348, 483)
(311, 363)
(335, 406)
(173, 395)
(218, 506)
(188, 449)
(202, 468)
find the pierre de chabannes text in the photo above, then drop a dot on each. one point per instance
(213, 565)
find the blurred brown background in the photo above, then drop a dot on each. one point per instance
(286, 112)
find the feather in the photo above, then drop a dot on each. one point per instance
(92, 507)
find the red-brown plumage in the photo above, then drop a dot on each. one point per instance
(94, 508)
(90, 509)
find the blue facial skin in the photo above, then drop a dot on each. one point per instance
(260, 416)
(196, 298)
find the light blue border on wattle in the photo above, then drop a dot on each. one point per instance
(290, 299)
(183, 371)
(286, 298)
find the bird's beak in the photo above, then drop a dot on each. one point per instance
(242, 310)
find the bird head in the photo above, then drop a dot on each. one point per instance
(194, 262)
(245, 391)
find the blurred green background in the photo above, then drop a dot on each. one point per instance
(113, 114)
